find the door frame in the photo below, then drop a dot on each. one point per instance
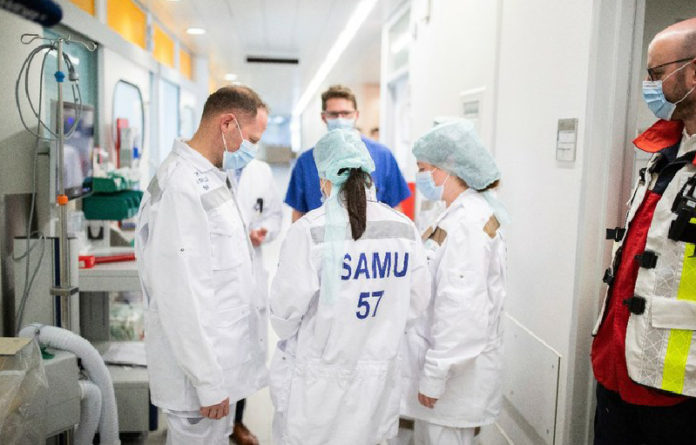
(615, 48)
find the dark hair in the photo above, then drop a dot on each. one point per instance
(233, 99)
(490, 186)
(353, 192)
(338, 92)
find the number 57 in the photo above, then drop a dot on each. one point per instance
(364, 304)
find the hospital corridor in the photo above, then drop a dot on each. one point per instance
(348, 222)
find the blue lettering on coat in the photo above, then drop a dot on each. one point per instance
(384, 265)
(401, 273)
(362, 267)
(346, 267)
(381, 269)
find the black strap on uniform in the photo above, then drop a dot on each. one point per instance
(647, 259)
(616, 234)
(681, 229)
(684, 205)
(608, 278)
(636, 304)
(661, 161)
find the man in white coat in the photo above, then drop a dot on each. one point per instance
(262, 210)
(195, 266)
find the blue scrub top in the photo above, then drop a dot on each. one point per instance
(304, 193)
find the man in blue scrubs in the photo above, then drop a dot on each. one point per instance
(340, 110)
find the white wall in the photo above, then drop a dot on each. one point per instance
(533, 59)
(453, 52)
(543, 77)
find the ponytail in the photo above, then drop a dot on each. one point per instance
(353, 191)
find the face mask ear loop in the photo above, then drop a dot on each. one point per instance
(675, 72)
(685, 96)
(239, 128)
(445, 181)
(224, 141)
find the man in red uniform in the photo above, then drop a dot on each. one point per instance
(628, 412)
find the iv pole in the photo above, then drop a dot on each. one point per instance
(64, 290)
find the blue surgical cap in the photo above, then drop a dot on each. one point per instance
(454, 147)
(340, 149)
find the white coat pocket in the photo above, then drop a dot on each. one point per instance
(227, 241)
(230, 261)
(225, 251)
(231, 337)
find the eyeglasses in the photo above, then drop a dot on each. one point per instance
(335, 114)
(652, 73)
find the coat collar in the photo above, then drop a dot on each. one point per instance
(661, 135)
(197, 160)
(458, 202)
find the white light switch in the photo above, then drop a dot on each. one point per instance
(566, 140)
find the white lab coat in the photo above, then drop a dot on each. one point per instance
(455, 350)
(335, 375)
(195, 267)
(261, 207)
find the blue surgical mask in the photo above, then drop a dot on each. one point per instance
(654, 97)
(240, 158)
(426, 185)
(340, 123)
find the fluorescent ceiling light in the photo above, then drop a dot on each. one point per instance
(230, 77)
(356, 20)
(195, 31)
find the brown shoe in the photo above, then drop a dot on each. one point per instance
(242, 436)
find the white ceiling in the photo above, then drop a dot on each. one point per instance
(302, 29)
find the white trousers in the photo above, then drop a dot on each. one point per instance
(405, 437)
(182, 430)
(425, 433)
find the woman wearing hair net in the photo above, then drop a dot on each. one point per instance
(351, 274)
(455, 349)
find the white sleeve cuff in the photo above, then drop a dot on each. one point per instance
(431, 387)
(211, 394)
(284, 328)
